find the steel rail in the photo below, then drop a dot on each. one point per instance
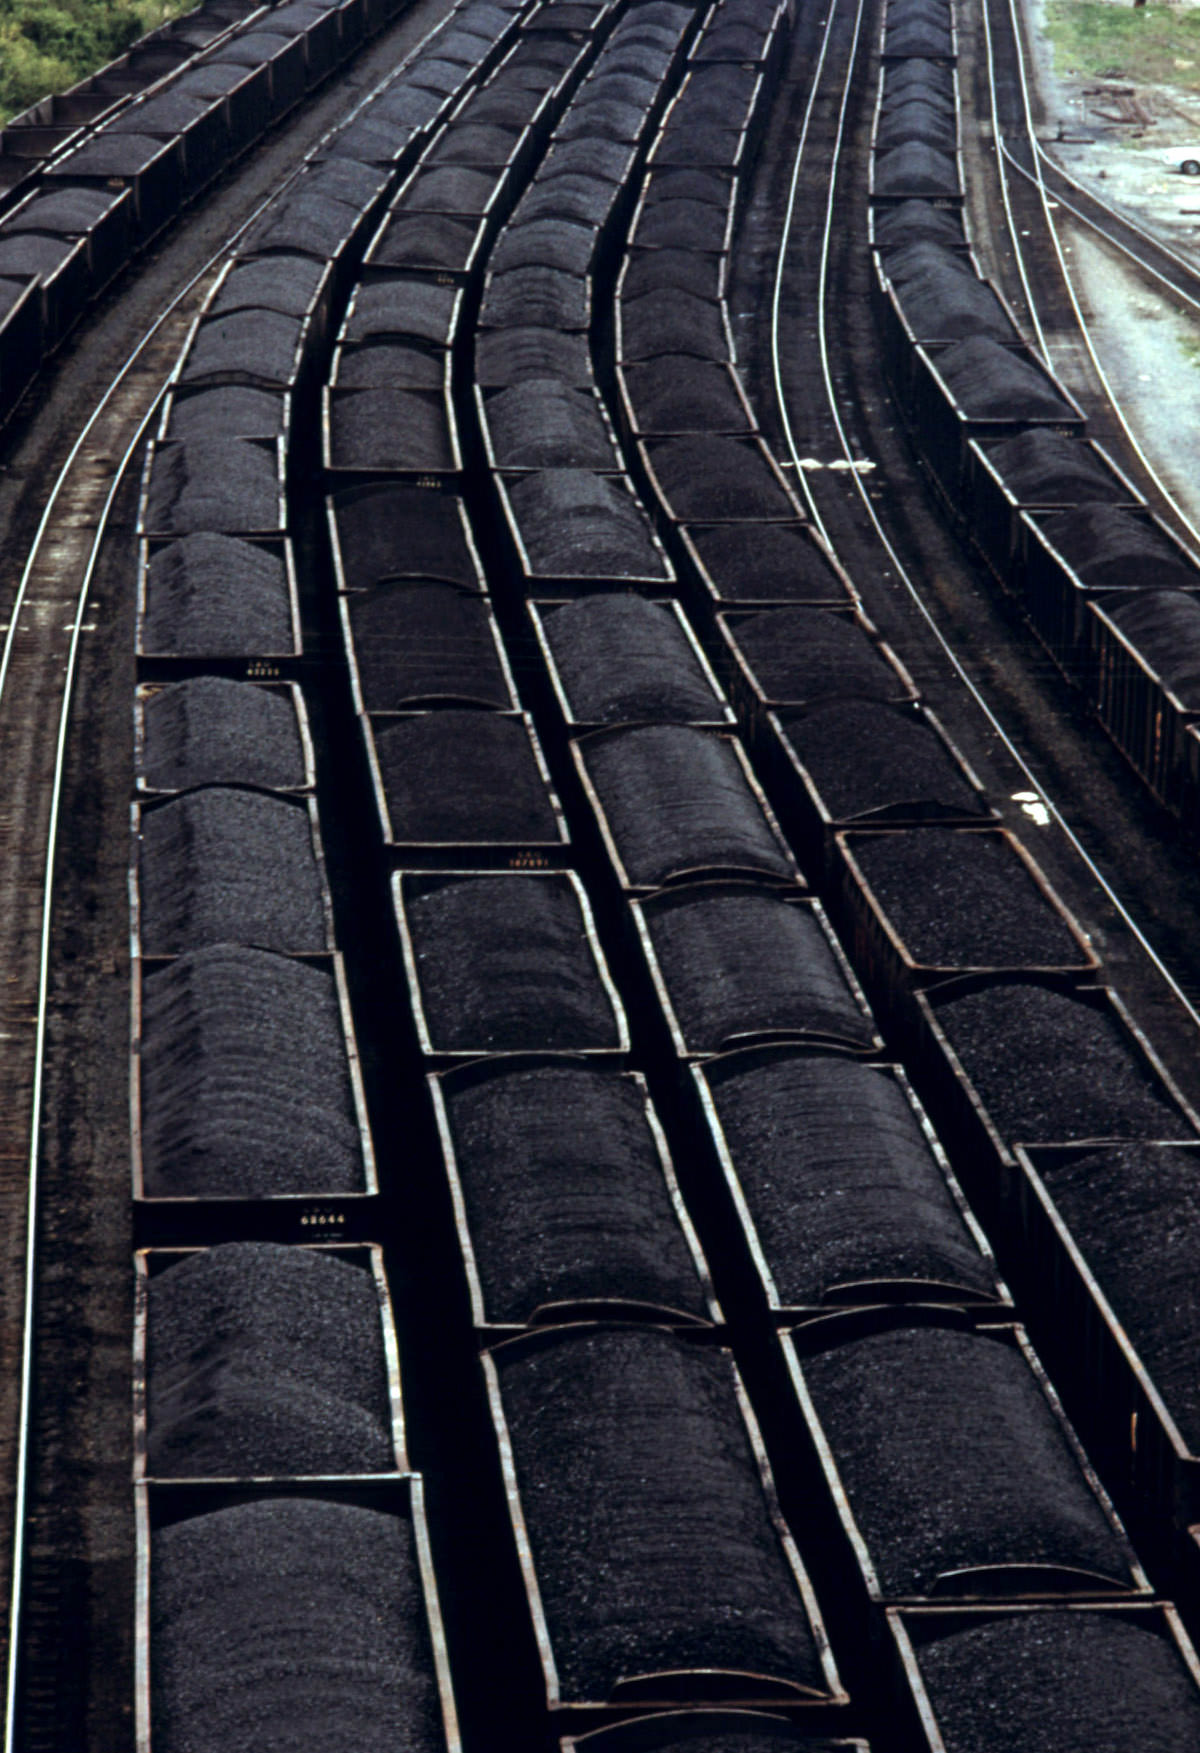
(12, 1678)
(1035, 784)
(1038, 178)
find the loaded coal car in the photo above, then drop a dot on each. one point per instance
(279, 54)
(617, 658)
(546, 423)
(56, 269)
(152, 169)
(780, 1127)
(261, 1360)
(927, 904)
(212, 730)
(1092, 553)
(246, 1100)
(578, 530)
(1144, 683)
(948, 1467)
(381, 532)
(731, 964)
(565, 1197)
(892, 225)
(1080, 1679)
(928, 294)
(101, 218)
(505, 963)
(329, 1586)
(705, 1731)
(1038, 1060)
(200, 120)
(412, 642)
(919, 30)
(979, 388)
(669, 801)
(760, 565)
(216, 604)
(657, 1568)
(1034, 470)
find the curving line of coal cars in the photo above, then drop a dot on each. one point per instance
(1110, 591)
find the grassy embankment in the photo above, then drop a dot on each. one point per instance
(1112, 39)
(47, 45)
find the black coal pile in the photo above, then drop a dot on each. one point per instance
(278, 282)
(732, 42)
(305, 223)
(542, 424)
(609, 159)
(765, 563)
(209, 731)
(549, 243)
(715, 93)
(402, 532)
(291, 1621)
(463, 777)
(671, 271)
(991, 382)
(914, 118)
(258, 344)
(555, 298)
(913, 76)
(230, 411)
(564, 1194)
(678, 800)
(246, 1086)
(1164, 629)
(381, 365)
(112, 155)
(225, 866)
(584, 199)
(672, 322)
(1060, 1683)
(926, 39)
(799, 656)
(227, 486)
(943, 304)
(214, 596)
(479, 143)
(1107, 545)
(963, 900)
(910, 221)
(505, 966)
(840, 1180)
(621, 658)
(916, 169)
(915, 257)
(651, 1538)
(1050, 1067)
(1134, 1211)
(742, 963)
(675, 393)
(419, 642)
(515, 356)
(449, 188)
(71, 212)
(427, 240)
(599, 115)
(706, 475)
(403, 307)
(265, 1360)
(867, 759)
(953, 1461)
(344, 180)
(1048, 468)
(383, 429)
(30, 253)
(703, 142)
(680, 223)
(574, 523)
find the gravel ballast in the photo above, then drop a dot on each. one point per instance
(564, 1194)
(1060, 1683)
(1049, 1067)
(739, 964)
(621, 658)
(650, 1534)
(265, 1360)
(677, 799)
(463, 777)
(1134, 1212)
(291, 1622)
(960, 900)
(841, 1182)
(504, 966)
(245, 1082)
(226, 866)
(952, 1461)
(209, 731)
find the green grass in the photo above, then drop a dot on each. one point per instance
(1103, 39)
(47, 45)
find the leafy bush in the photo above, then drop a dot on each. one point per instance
(46, 45)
